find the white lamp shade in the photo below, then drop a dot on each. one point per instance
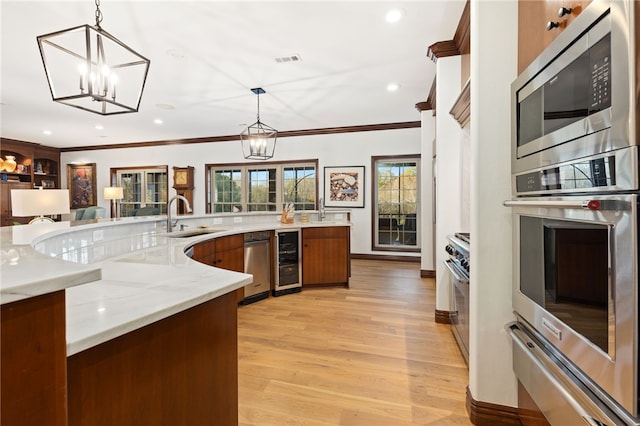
(38, 202)
(113, 193)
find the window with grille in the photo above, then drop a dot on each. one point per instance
(267, 187)
(142, 187)
(396, 193)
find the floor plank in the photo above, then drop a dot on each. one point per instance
(369, 355)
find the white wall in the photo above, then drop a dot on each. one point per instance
(346, 149)
(493, 68)
(448, 172)
(427, 193)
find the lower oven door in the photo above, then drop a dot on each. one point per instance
(459, 285)
(561, 397)
(575, 283)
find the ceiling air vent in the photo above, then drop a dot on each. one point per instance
(292, 58)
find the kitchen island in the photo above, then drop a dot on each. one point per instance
(152, 340)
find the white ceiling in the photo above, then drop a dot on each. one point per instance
(207, 55)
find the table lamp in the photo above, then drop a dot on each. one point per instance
(39, 202)
(113, 193)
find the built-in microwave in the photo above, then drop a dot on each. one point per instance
(576, 99)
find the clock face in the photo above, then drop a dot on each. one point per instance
(181, 177)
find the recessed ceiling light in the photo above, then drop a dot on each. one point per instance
(393, 87)
(158, 121)
(99, 127)
(46, 132)
(394, 15)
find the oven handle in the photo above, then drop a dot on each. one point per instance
(454, 272)
(580, 204)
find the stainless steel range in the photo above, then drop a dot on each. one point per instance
(459, 266)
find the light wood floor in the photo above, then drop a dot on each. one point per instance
(368, 355)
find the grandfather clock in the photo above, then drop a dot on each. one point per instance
(183, 184)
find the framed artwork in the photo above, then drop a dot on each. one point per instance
(344, 186)
(81, 181)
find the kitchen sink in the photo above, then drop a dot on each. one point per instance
(191, 232)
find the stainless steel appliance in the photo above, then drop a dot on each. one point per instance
(257, 262)
(576, 100)
(575, 285)
(289, 272)
(459, 264)
(575, 219)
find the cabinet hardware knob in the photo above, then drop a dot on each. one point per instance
(551, 25)
(564, 11)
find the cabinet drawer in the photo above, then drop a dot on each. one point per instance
(326, 232)
(230, 242)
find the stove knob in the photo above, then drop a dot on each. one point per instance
(450, 250)
(465, 264)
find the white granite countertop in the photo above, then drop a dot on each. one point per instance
(26, 273)
(123, 274)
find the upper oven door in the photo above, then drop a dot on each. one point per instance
(576, 98)
(575, 282)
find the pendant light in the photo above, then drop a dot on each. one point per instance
(89, 69)
(258, 140)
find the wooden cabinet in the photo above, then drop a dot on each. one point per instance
(22, 153)
(6, 217)
(36, 165)
(533, 17)
(33, 364)
(325, 256)
(181, 370)
(46, 167)
(223, 252)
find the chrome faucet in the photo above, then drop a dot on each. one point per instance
(169, 224)
(321, 212)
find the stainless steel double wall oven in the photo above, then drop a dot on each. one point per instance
(575, 215)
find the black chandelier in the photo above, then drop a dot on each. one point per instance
(258, 140)
(90, 69)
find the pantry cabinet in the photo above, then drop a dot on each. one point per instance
(533, 19)
(325, 256)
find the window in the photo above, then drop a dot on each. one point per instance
(228, 190)
(300, 186)
(142, 187)
(396, 195)
(268, 187)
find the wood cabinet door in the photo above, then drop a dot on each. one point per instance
(6, 217)
(205, 252)
(533, 16)
(232, 260)
(325, 260)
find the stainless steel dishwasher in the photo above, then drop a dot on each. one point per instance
(257, 262)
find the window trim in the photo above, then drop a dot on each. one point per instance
(374, 204)
(244, 167)
(113, 179)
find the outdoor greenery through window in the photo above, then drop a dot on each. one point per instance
(265, 187)
(144, 187)
(396, 194)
